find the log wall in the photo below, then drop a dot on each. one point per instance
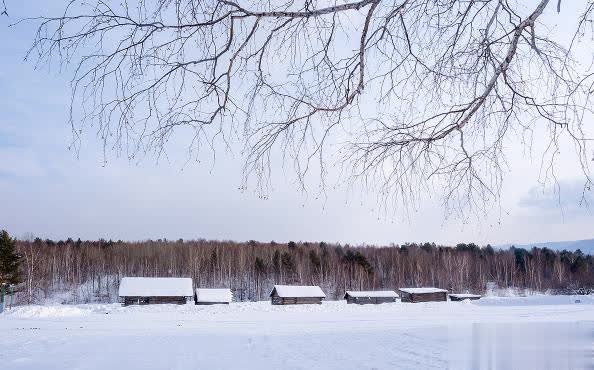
(153, 300)
(276, 300)
(423, 297)
(453, 298)
(369, 300)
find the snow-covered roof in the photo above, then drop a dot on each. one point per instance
(465, 295)
(371, 294)
(422, 290)
(155, 287)
(297, 291)
(214, 295)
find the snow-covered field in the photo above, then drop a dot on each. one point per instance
(538, 332)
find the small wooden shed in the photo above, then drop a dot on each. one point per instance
(463, 296)
(150, 290)
(415, 295)
(295, 294)
(370, 297)
(204, 296)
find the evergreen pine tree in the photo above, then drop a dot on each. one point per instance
(9, 260)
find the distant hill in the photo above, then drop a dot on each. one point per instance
(586, 245)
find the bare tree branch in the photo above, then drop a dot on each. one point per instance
(407, 96)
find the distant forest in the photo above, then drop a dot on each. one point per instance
(72, 271)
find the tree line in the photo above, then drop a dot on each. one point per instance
(76, 271)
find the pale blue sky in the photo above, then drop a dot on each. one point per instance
(47, 191)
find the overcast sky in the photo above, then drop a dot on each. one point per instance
(46, 190)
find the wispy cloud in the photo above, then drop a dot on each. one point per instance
(571, 197)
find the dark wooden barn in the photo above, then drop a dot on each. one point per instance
(294, 294)
(370, 297)
(415, 295)
(204, 296)
(143, 290)
(464, 296)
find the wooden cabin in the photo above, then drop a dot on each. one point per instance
(294, 294)
(150, 290)
(370, 297)
(203, 296)
(415, 295)
(464, 296)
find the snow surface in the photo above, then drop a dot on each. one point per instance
(373, 294)
(298, 291)
(537, 332)
(422, 290)
(155, 287)
(214, 295)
